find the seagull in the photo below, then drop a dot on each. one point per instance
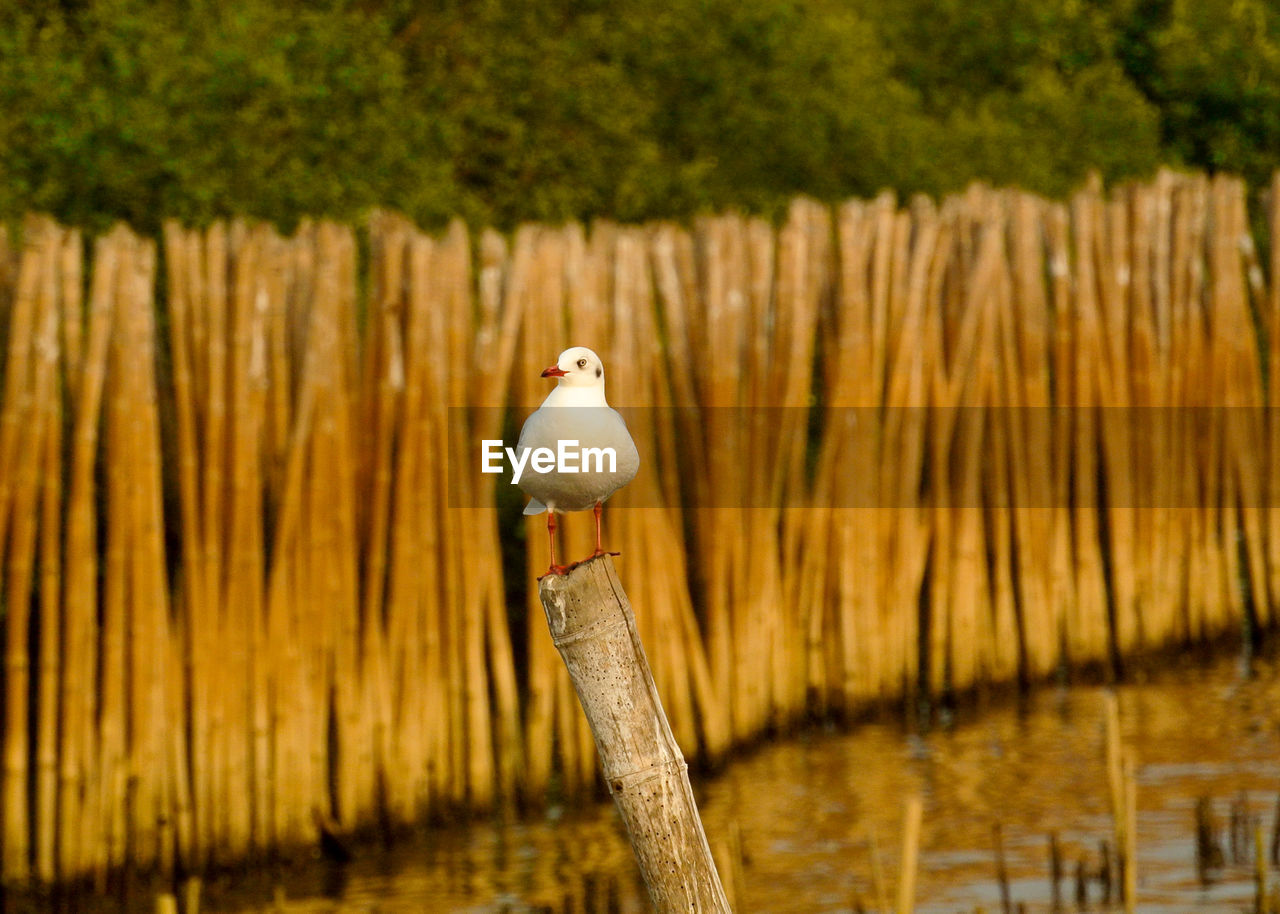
(576, 415)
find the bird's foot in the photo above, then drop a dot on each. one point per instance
(592, 557)
(562, 570)
(558, 570)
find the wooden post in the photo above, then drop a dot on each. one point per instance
(593, 628)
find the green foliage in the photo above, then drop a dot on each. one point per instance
(1213, 69)
(760, 103)
(141, 111)
(504, 112)
(1028, 94)
(543, 119)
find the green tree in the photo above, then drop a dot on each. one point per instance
(762, 102)
(540, 118)
(575, 109)
(140, 111)
(1026, 94)
(1213, 70)
(570, 110)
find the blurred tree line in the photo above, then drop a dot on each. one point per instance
(504, 111)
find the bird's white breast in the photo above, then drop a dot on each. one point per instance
(592, 425)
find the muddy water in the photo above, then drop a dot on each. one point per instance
(807, 813)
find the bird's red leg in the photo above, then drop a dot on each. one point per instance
(551, 539)
(599, 548)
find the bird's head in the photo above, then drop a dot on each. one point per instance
(577, 367)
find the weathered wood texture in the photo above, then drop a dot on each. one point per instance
(595, 631)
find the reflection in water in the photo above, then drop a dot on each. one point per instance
(808, 810)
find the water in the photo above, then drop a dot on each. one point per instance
(806, 813)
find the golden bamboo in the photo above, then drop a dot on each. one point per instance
(913, 405)
(48, 406)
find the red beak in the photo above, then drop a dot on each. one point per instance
(555, 371)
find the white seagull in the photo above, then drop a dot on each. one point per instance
(575, 420)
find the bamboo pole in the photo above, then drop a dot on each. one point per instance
(1006, 650)
(594, 629)
(78, 818)
(14, 414)
(1243, 393)
(299, 698)
(877, 871)
(1122, 791)
(113, 748)
(1149, 426)
(911, 820)
(1272, 323)
(651, 533)
(333, 503)
(850, 460)
(1089, 635)
(492, 362)
(152, 824)
(1026, 361)
(28, 376)
(765, 263)
(50, 582)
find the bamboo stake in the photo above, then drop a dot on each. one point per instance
(651, 536)
(1061, 422)
(113, 746)
(335, 458)
(28, 376)
(541, 674)
(379, 403)
(1007, 650)
(49, 587)
(1149, 426)
(676, 441)
(244, 591)
(757, 601)
(1243, 389)
(301, 749)
(1130, 887)
(1272, 323)
(439, 421)
(78, 821)
(1114, 274)
(17, 488)
(1165, 593)
(493, 360)
(269, 305)
(854, 447)
(911, 820)
(1025, 357)
(1207, 598)
(481, 772)
(594, 630)
(1123, 798)
(1088, 637)
(153, 825)
(181, 258)
(877, 870)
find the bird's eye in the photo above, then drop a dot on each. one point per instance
(582, 363)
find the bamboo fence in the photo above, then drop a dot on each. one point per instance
(978, 441)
